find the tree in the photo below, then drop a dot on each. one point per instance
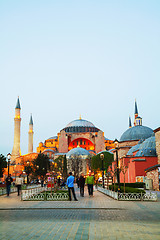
(96, 162)
(28, 169)
(41, 165)
(64, 167)
(124, 169)
(3, 164)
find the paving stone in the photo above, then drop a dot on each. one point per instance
(94, 218)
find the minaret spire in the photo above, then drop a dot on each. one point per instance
(136, 109)
(130, 124)
(30, 135)
(135, 113)
(16, 152)
(18, 104)
(31, 120)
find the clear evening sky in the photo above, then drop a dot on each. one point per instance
(65, 58)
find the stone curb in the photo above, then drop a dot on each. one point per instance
(1, 209)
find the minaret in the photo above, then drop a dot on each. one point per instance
(130, 124)
(135, 113)
(30, 136)
(16, 152)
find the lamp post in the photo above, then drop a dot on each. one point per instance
(102, 158)
(116, 148)
(8, 157)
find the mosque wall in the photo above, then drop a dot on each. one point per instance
(157, 136)
(87, 135)
(99, 142)
(155, 178)
(63, 142)
(125, 146)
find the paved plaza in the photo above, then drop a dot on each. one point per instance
(94, 218)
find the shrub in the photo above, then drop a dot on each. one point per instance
(127, 189)
(133, 185)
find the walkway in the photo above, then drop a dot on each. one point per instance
(96, 218)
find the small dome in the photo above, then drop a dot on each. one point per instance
(136, 133)
(55, 137)
(40, 144)
(48, 150)
(78, 152)
(80, 123)
(147, 148)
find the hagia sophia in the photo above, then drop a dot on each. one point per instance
(138, 147)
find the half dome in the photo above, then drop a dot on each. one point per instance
(136, 133)
(147, 148)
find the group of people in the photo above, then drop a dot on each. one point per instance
(18, 183)
(89, 180)
(81, 184)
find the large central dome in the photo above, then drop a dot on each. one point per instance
(80, 123)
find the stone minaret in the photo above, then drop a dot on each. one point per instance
(30, 136)
(16, 152)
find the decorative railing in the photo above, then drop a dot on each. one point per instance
(32, 193)
(108, 192)
(3, 191)
(40, 194)
(149, 196)
(63, 196)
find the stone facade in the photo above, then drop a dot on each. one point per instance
(63, 142)
(96, 138)
(154, 175)
(99, 142)
(157, 135)
(124, 147)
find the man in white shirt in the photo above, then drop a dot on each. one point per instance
(19, 183)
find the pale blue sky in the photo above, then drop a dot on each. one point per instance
(66, 58)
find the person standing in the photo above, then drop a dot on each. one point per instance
(19, 183)
(90, 183)
(9, 180)
(81, 184)
(77, 181)
(59, 182)
(70, 184)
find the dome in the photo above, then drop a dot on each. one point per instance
(78, 152)
(147, 148)
(55, 137)
(48, 150)
(80, 123)
(40, 144)
(134, 148)
(136, 133)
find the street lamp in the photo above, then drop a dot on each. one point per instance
(102, 158)
(116, 148)
(8, 157)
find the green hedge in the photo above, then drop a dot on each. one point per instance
(127, 189)
(133, 185)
